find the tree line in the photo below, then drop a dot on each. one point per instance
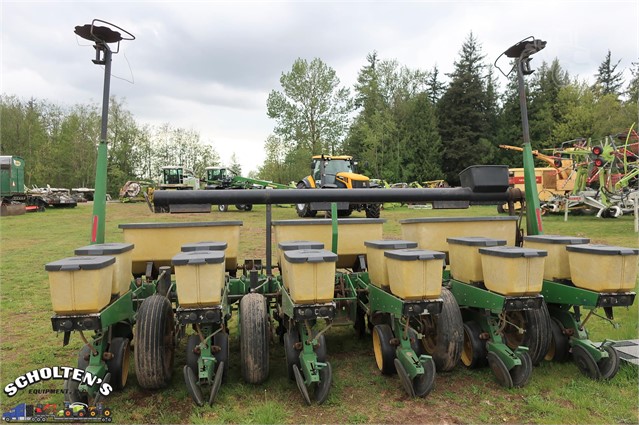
(401, 124)
(59, 145)
(413, 125)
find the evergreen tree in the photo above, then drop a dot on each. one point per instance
(609, 80)
(420, 141)
(436, 87)
(463, 113)
(235, 167)
(543, 98)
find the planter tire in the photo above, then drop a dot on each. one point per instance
(254, 338)
(444, 334)
(154, 343)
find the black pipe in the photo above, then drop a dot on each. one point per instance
(293, 196)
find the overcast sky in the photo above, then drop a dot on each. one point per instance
(209, 66)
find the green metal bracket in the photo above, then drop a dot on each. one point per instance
(334, 226)
(404, 352)
(308, 359)
(96, 367)
(118, 311)
(287, 304)
(383, 301)
(238, 286)
(472, 296)
(568, 320)
(99, 198)
(206, 362)
(560, 293)
(579, 333)
(496, 343)
(596, 352)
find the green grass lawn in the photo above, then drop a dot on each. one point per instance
(557, 393)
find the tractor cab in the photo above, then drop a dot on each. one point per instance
(336, 171)
(216, 175)
(176, 177)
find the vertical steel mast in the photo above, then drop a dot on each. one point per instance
(521, 53)
(102, 36)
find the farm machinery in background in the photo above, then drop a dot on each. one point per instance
(185, 279)
(336, 172)
(221, 178)
(137, 191)
(586, 177)
(178, 178)
(14, 192)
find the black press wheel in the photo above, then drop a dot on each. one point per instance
(501, 372)
(609, 366)
(248, 207)
(154, 343)
(217, 382)
(292, 355)
(191, 355)
(585, 362)
(474, 352)
(536, 331)
(301, 386)
(118, 366)
(559, 349)
(83, 357)
(221, 339)
(521, 374)
(191, 382)
(444, 334)
(320, 349)
(415, 342)
(360, 322)
(384, 351)
(72, 394)
(423, 384)
(404, 378)
(223, 208)
(254, 338)
(323, 387)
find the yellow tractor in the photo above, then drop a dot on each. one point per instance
(336, 172)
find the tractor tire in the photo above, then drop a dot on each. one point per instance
(254, 338)
(344, 213)
(154, 343)
(444, 334)
(118, 366)
(537, 334)
(373, 210)
(304, 210)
